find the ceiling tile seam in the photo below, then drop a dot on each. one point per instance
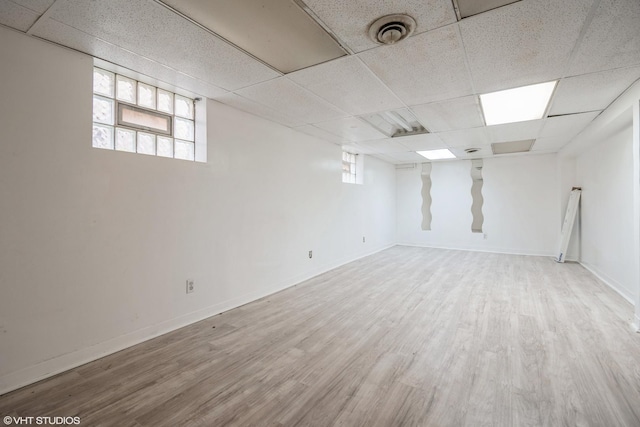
(349, 113)
(313, 15)
(232, 45)
(342, 138)
(43, 17)
(271, 109)
(456, 10)
(380, 81)
(37, 12)
(255, 115)
(591, 73)
(583, 30)
(547, 120)
(418, 119)
(320, 99)
(577, 113)
(409, 149)
(254, 84)
(616, 98)
(475, 93)
(466, 64)
(130, 52)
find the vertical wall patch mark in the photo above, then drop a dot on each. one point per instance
(426, 196)
(476, 196)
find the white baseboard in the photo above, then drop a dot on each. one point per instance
(613, 284)
(48, 368)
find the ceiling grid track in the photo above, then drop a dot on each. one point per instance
(589, 46)
(197, 24)
(585, 26)
(43, 17)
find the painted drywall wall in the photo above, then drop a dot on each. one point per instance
(635, 269)
(610, 149)
(96, 245)
(605, 173)
(520, 207)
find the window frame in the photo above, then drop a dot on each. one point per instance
(352, 173)
(191, 146)
(120, 123)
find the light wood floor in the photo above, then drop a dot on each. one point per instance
(409, 336)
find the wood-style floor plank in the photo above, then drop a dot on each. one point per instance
(405, 337)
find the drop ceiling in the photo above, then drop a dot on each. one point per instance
(459, 50)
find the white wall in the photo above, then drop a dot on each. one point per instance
(605, 173)
(521, 208)
(605, 160)
(96, 245)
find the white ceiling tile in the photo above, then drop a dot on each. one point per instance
(467, 138)
(551, 144)
(16, 16)
(351, 129)
(348, 84)
(459, 113)
(484, 151)
(320, 133)
(407, 157)
(424, 68)
(567, 126)
(39, 6)
(592, 92)
(427, 141)
(522, 43)
(387, 145)
(68, 36)
(259, 110)
(153, 31)
(290, 100)
(612, 40)
(385, 158)
(357, 148)
(350, 20)
(515, 131)
(277, 31)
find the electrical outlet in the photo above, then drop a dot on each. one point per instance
(362, 239)
(310, 254)
(190, 285)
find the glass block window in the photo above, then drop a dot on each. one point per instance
(349, 167)
(132, 116)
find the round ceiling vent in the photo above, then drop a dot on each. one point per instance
(471, 150)
(391, 29)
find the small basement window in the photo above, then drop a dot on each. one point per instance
(349, 173)
(132, 116)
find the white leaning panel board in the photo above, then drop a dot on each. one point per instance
(567, 225)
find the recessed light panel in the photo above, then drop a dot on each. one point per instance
(437, 154)
(518, 104)
(512, 147)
